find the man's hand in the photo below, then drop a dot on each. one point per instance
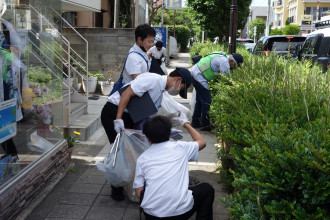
(176, 134)
(182, 119)
(119, 125)
(163, 59)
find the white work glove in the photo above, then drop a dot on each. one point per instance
(119, 125)
(182, 119)
(176, 134)
(163, 59)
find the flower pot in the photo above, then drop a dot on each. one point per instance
(92, 83)
(69, 81)
(106, 87)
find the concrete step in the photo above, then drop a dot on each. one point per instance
(86, 125)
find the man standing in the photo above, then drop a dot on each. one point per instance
(206, 69)
(137, 60)
(162, 172)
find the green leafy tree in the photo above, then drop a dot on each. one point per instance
(276, 31)
(260, 24)
(153, 6)
(214, 16)
(291, 29)
(287, 22)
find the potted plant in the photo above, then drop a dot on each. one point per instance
(92, 82)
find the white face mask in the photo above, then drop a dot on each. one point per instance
(172, 91)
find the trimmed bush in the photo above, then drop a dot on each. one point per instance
(275, 115)
(276, 31)
(291, 29)
(182, 35)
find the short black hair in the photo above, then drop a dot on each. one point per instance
(159, 44)
(144, 31)
(158, 129)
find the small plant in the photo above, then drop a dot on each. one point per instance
(72, 140)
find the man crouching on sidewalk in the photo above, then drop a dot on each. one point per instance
(162, 172)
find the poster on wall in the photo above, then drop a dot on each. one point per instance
(8, 127)
(161, 35)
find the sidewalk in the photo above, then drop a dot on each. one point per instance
(84, 193)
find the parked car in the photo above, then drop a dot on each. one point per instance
(244, 40)
(280, 44)
(317, 48)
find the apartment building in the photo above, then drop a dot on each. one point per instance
(300, 12)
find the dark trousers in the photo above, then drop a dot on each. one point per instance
(9, 147)
(203, 200)
(202, 107)
(108, 115)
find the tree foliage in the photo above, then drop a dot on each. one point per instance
(260, 24)
(153, 6)
(276, 31)
(291, 29)
(214, 16)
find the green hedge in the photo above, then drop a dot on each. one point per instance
(182, 35)
(275, 115)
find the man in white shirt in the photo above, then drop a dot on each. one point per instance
(158, 52)
(137, 60)
(115, 117)
(203, 71)
(162, 171)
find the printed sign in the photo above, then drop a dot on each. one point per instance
(174, 4)
(161, 35)
(8, 127)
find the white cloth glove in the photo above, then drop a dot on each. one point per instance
(182, 119)
(119, 125)
(163, 59)
(176, 134)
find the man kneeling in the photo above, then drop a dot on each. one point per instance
(163, 172)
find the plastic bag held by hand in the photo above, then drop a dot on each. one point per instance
(172, 107)
(118, 166)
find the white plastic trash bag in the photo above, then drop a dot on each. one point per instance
(172, 107)
(119, 165)
(163, 66)
(38, 143)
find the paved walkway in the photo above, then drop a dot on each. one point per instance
(84, 193)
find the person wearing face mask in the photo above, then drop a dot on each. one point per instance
(137, 60)
(158, 52)
(115, 117)
(206, 69)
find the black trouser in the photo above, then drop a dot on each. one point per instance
(203, 200)
(108, 115)
(9, 147)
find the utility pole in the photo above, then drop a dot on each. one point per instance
(233, 27)
(268, 19)
(317, 10)
(162, 14)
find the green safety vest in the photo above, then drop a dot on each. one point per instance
(204, 65)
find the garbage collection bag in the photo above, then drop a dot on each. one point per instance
(118, 166)
(172, 107)
(193, 101)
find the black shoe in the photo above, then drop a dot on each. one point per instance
(206, 128)
(117, 193)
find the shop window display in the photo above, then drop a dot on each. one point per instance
(30, 90)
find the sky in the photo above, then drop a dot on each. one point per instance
(259, 3)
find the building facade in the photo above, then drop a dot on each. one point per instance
(304, 13)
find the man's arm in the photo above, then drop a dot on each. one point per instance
(195, 135)
(138, 191)
(135, 75)
(124, 99)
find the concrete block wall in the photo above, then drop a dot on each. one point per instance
(107, 47)
(20, 192)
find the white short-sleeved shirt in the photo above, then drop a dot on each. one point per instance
(164, 168)
(148, 82)
(135, 64)
(155, 53)
(219, 64)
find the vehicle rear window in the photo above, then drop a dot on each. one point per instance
(284, 44)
